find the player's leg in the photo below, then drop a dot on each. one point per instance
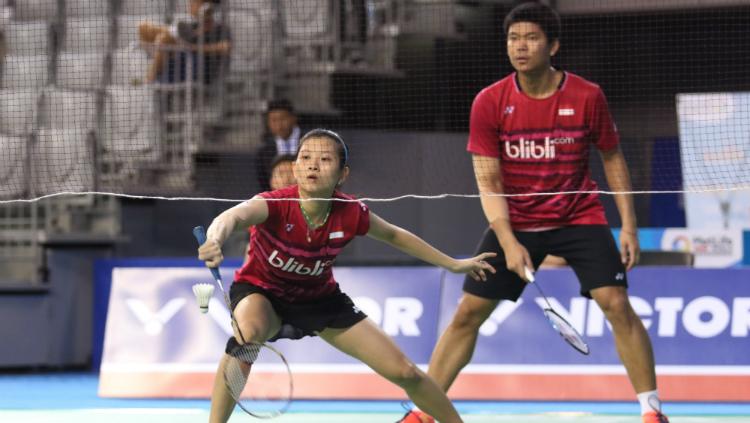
(631, 339)
(257, 321)
(455, 347)
(634, 348)
(162, 52)
(366, 342)
(592, 253)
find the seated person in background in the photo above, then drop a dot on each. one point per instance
(172, 46)
(282, 137)
(281, 172)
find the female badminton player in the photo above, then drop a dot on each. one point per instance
(296, 234)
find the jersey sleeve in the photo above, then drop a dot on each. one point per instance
(603, 129)
(274, 205)
(483, 126)
(363, 218)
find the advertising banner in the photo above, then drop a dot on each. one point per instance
(698, 321)
(711, 248)
(158, 344)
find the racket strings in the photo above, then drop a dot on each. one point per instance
(559, 324)
(261, 395)
(235, 376)
(238, 369)
(246, 353)
(567, 331)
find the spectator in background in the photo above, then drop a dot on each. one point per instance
(282, 137)
(281, 172)
(173, 47)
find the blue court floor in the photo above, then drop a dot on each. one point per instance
(69, 397)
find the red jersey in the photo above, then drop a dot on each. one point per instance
(283, 261)
(543, 146)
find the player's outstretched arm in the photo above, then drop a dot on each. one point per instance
(241, 216)
(415, 246)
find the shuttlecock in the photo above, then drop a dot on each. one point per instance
(203, 293)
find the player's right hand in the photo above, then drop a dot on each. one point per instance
(517, 259)
(210, 252)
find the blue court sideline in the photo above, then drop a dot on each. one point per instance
(78, 390)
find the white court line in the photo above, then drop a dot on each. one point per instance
(148, 411)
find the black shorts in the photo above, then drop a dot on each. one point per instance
(589, 249)
(333, 311)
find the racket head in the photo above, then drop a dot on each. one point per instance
(567, 331)
(266, 391)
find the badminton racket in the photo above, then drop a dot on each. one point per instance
(266, 391)
(558, 323)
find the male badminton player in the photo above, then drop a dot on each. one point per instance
(288, 277)
(532, 132)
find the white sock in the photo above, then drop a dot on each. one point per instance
(649, 401)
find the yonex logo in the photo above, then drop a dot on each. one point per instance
(509, 110)
(153, 322)
(289, 227)
(619, 276)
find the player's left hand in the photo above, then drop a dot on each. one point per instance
(630, 249)
(476, 267)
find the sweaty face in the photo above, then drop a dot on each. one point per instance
(528, 48)
(317, 167)
(281, 123)
(282, 176)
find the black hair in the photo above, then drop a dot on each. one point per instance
(280, 104)
(541, 14)
(281, 158)
(341, 148)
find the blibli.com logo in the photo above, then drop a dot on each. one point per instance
(532, 149)
(293, 266)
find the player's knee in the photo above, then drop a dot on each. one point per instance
(405, 374)
(252, 333)
(468, 317)
(616, 307)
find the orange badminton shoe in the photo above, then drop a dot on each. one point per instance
(655, 417)
(416, 416)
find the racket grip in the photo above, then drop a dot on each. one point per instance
(200, 235)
